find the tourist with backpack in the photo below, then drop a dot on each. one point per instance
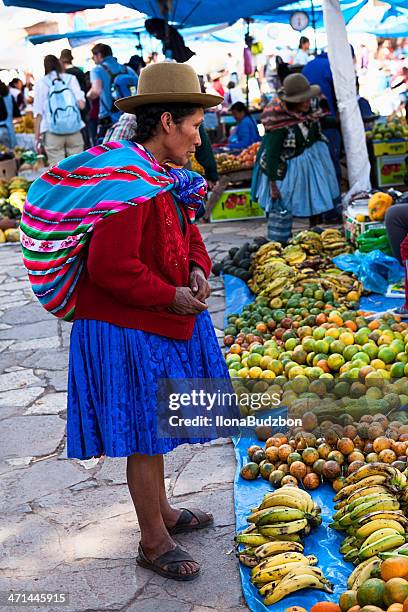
(109, 82)
(7, 133)
(58, 101)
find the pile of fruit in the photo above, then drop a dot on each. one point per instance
(12, 196)
(247, 157)
(308, 455)
(227, 162)
(273, 545)
(305, 260)
(25, 124)
(371, 510)
(395, 127)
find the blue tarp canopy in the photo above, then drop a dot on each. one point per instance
(118, 30)
(183, 12)
(349, 9)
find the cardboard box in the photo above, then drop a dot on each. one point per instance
(236, 205)
(391, 170)
(397, 146)
(8, 169)
(352, 227)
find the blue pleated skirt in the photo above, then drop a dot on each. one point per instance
(112, 385)
(310, 186)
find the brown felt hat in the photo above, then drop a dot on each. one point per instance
(167, 82)
(296, 88)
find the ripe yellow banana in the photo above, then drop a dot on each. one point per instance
(295, 583)
(278, 572)
(369, 481)
(291, 537)
(378, 535)
(267, 589)
(274, 548)
(283, 499)
(362, 572)
(279, 514)
(247, 560)
(396, 515)
(373, 526)
(279, 529)
(271, 562)
(296, 492)
(389, 542)
(374, 469)
(252, 518)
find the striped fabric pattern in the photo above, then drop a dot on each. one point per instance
(65, 203)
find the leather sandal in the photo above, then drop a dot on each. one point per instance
(184, 524)
(168, 564)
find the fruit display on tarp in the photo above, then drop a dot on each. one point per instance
(305, 260)
(371, 511)
(227, 162)
(272, 545)
(328, 450)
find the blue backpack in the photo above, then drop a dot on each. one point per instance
(63, 116)
(123, 83)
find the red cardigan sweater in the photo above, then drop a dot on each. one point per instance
(136, 259)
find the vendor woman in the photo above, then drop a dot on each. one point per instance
(294, 175)
(141, 312)
(246, 132)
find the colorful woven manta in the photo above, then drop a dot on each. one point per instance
(66, 202)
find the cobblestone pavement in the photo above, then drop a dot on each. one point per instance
(69, 526)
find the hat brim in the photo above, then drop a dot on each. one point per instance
(129, 104)
(311, 93)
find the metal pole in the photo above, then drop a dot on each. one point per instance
(247, 76)
(314, 25)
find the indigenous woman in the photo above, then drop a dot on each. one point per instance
(139, 308)
(294, 175)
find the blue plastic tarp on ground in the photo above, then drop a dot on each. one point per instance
(322, 542)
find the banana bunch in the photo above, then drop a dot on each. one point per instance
(368, 509)
(274, 549)
(309, 242)
(334, 243)
(266, 252)
(294, 254)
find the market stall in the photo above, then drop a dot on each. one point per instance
(320, 497)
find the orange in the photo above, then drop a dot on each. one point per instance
(325, 606)
(375, 324)
(350, 325)
(396, 607)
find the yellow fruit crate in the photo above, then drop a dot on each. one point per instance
(397, 146)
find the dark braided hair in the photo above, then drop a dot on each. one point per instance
(148, 117)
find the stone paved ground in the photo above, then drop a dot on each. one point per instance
(69, 525)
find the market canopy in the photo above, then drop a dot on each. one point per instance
(314, 11)
(183, 12)
(132, 27)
